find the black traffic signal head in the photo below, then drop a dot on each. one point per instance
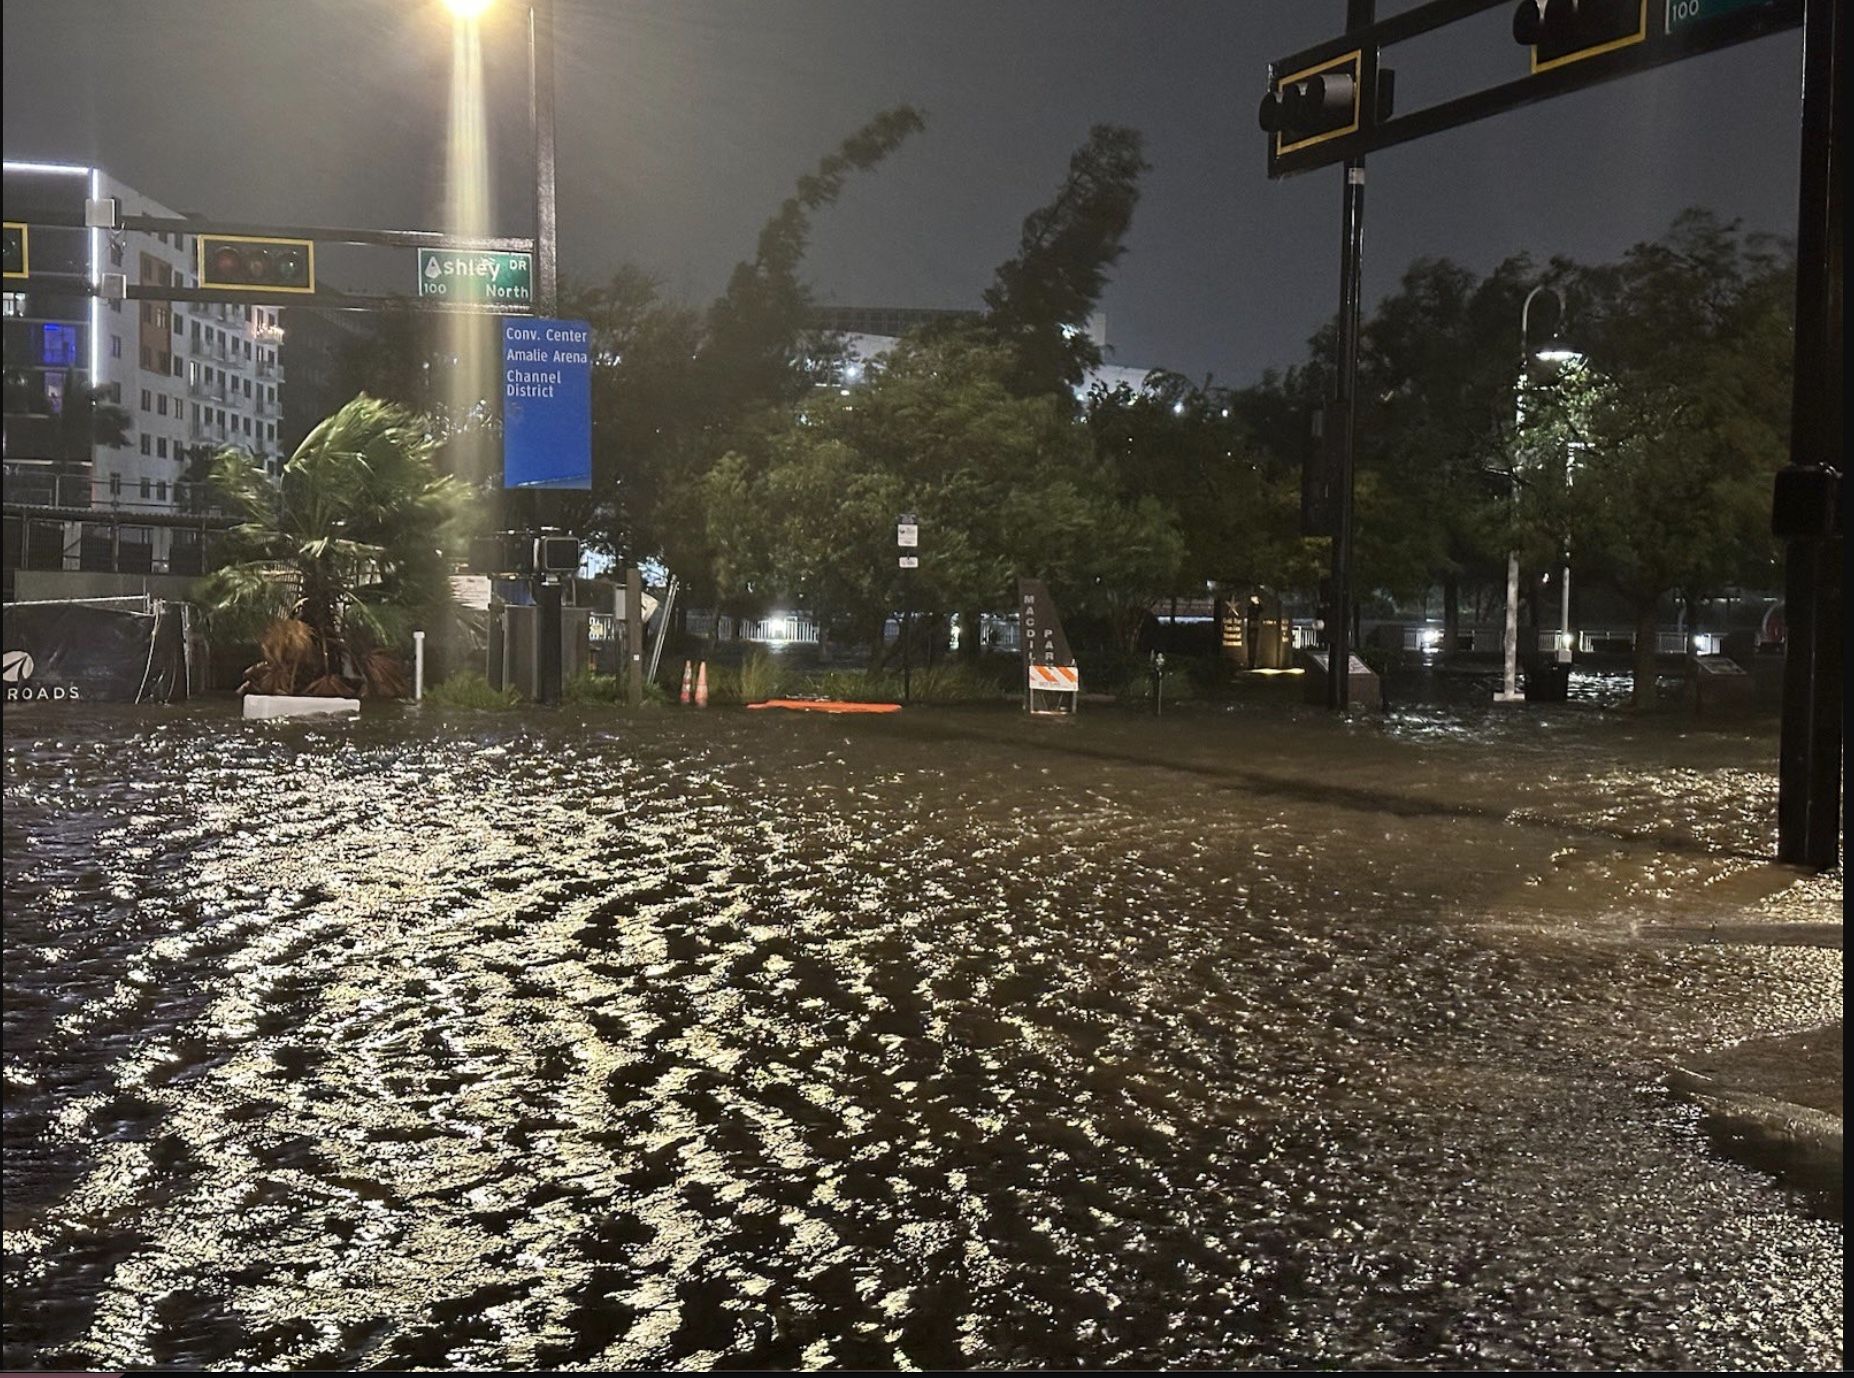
(1313, 105)
(252, 264)
(1561, 31)
(556, 554)
(16, 264)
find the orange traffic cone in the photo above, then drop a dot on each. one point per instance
(701, 686)
(687, 670)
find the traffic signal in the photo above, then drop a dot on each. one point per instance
(556, 554)
(249, 263)
(1320, 103)
(17, 263)
(519, 554)
(1561, 31)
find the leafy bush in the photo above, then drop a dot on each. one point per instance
(589, 686)
(469, 689)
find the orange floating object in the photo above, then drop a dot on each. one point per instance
(828, 706)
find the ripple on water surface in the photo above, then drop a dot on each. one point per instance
(942, 1040)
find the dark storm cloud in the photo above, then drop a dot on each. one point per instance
(683, 122)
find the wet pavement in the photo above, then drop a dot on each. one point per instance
(1241, 1037)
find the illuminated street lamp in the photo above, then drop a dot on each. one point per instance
(1554, 351)
(541, 106)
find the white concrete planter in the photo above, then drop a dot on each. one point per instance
(299, 706)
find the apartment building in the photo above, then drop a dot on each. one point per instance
(189, 378)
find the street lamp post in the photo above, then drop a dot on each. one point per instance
(1509, 679)
(548, 594)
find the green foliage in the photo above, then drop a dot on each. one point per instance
(1655, 461)
(589, 686)
(347, 540)
(468, 689)
(1040, 301)
(1003, 485)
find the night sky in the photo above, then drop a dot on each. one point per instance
(683, 123)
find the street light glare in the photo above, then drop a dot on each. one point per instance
(1557, 354)
(467, 9)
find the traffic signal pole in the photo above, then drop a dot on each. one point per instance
(1810, 754)
(1359, 15)
(546, 301)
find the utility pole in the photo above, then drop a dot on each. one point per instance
(1806, 511)
(1359, 15)
(547, 589)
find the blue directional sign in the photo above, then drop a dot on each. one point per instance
(546, 403)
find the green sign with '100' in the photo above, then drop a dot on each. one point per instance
(1681, 13)
(461, 275)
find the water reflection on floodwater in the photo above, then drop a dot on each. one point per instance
(945, 1039)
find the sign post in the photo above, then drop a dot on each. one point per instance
(547, 440)
(908, 542)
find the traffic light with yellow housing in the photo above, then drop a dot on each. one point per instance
(1311, 106)
(1562, 31)
(251, 263)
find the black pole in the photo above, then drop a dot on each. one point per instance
(546, 303)
(1359, 14)
(1810, 770)
(541, 89)
(547, 595)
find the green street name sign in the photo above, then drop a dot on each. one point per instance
(475, 277)
(1681, 13)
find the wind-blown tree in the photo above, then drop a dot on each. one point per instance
(1003, 484)
(1236, 505)
(1039, 302)
(673, 386)
(337, 559)
(1676, 427)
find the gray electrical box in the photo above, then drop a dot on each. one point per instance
(514, 646)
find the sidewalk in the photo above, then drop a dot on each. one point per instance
(1776, 1103)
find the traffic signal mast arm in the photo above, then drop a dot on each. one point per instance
(1576, 43)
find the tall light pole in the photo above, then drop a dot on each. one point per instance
(1509, 680)
(547, 591)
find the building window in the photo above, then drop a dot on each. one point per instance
(166, 362)
(15, 303)
(147, 489)
(115, 346)
(161, 404)
(147, 357)
(58, 345)
(179, 324)
(115, 485)
(147, 443)
(161, 490)
(161, 453)
(147, 400)
(176, 359)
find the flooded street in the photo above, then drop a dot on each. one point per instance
(948, 1039)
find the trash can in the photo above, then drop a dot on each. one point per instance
(1548, 681)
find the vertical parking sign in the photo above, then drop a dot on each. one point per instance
(546, 403)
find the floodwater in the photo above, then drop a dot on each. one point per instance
(1240, 1037)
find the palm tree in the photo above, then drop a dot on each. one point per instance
(339, 557)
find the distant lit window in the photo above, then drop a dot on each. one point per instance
(58, 345)
(15, 303)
